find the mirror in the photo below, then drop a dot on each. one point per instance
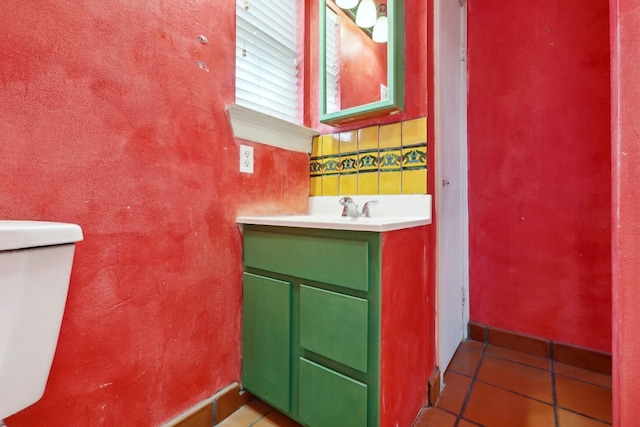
(361, 74)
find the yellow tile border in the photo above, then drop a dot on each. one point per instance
(414, 131)
(350, 141)
(368, 138)
(414, 181)
(316, 147)
(348, 184)
(330, 144)
(414, 157)
(348, 164)
(391, 160)
(371, 159)
(390, 136)
(368, 162)
(330, 165)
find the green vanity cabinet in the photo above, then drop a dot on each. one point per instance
(311, 323)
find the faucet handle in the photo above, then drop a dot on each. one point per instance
(365, 209)
(345, 201)
(350, 208)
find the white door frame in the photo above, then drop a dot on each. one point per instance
(446, 310)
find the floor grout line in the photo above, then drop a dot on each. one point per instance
(254, 422)
(516, 392)
(471, 385)
(573, 411)
(519, 362)
(580, 380)
(554, 393)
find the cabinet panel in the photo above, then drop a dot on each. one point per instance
(333, 261)
(266, 338)
(335, 326)
(329, 399)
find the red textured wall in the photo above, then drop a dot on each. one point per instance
(539, 169)
(408, 325)
(107, 121)
(625, 72)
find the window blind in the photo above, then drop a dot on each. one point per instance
(332, 73)
(267, 63)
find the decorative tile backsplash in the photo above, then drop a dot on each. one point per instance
(387, 159)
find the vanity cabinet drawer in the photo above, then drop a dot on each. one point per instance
(334, 326)
(337, 262)
(330, 399)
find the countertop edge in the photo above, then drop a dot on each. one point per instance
(300, 222)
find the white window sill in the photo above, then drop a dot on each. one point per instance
(264, 129)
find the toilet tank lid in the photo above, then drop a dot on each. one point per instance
(30, 234)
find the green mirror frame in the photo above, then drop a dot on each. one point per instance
(395, 71)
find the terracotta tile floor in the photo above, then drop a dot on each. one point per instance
(257, 414)
(492, 387)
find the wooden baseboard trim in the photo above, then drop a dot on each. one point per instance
(434, 387)
(585, 358)
(199, 415)
(228, 400)
(213, 410)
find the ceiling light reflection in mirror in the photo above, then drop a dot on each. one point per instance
(369, 16)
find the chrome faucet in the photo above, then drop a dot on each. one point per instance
(351, 209)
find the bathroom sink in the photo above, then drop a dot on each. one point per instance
(390, 213)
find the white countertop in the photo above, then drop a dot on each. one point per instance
(390, 213)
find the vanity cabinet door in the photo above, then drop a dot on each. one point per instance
(266, 338)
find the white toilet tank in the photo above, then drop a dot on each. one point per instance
(35, 266)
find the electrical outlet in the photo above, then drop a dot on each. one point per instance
(246, 159)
